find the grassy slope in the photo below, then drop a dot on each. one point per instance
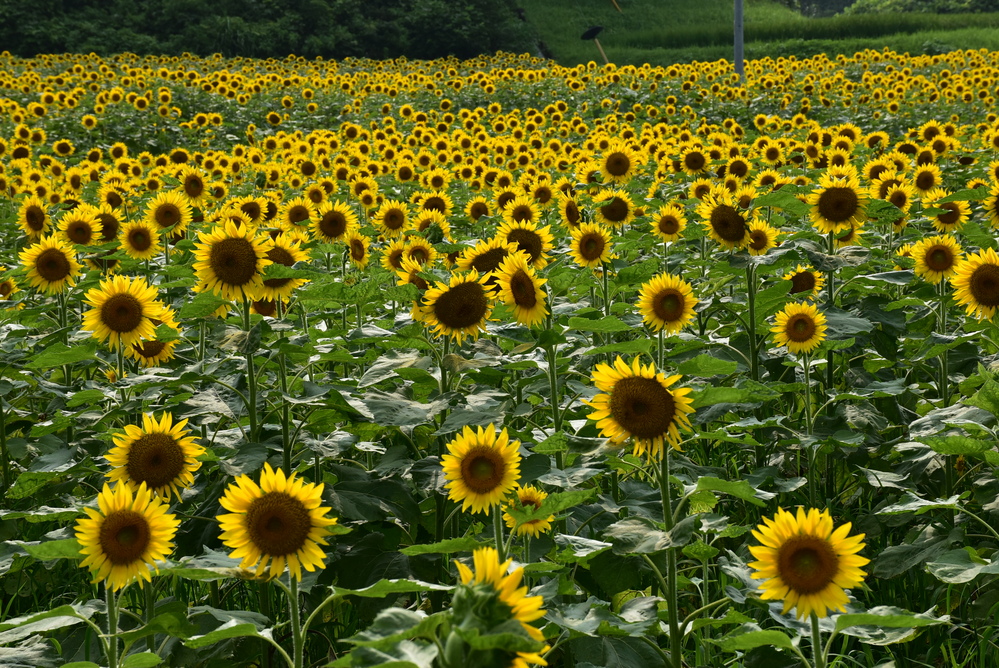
(667, 31)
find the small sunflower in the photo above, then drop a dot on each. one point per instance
(333, 221)
(33, 217)
(762, 238)
(534, 241)
(477, 207)
(80, 226)
(358, 245)
(51, 265)
(669, 222)
(837, 204)
(521, 289)
(800, 327)
(391, 219)
(284, 251)
(591, 245)
(725, 223)
(522, 209)
(457, 309)
(151, 353)
(169, 210)
(613, 208)
(619, 163)
(280, 521)
(806, 562)
(482, 467)
(433, 224)
(636, 402)
(936, 257)
(667, 303)
(805, 282)
(298, 211)
(952, 215)
(125, 535)
(530, 496)
(976, 284)
(139, 239)
(419, 250)
(568, 210)
(192, 184)
(229, 261)
(161, 454)
(927, 178)
(486, 256)
(122, 311)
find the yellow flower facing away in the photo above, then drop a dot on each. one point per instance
(482, 467)
(800, 327)
(805, 562)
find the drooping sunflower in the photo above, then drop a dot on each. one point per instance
(124, 537)
(723, 220)
(529, 496)
(669, 222)
(800, 327)
(229, 261)
(837, 204)
(284, 251)
(482, 467)
(488, 597)
(936, 257)
(51, 265)
(534, 241)
(33, 217)
(280, 521)
(976, 284)
(613, 208)
(122, 311)
(805, 282)
(334, 220)
(150, 353)
(161, 454)
(139, 239)
(667, 303)
(391, 219)
(457, 309)
(169, 210)
(521, 289)
(806, 562)
(591, 245)
(762, 238)
(636, 402)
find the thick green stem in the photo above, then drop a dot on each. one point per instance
(251, 374)
(830, 301)
(285, 412)
(818, 655)
(754, 358)
(150, 604)
(605, 286)
(498, 533)
(446, 350)
(809, 428)
(552, 356)
(112, 627)
(675, 641)
(297, 632)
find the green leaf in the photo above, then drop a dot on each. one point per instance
(886, 617)
(172, 622)
(231, 629)
(59, 354)
(957, 444)
(68, 548)
(966, 195)
(81, 664)
(770, 301)
(958, 566)
(383, 588)
(166, 333)
(395, 624)
(740, 642)
(712, 395)
(43, 625)
(85, 398)
(914, 504)
(634, 347)
(557, 442)
(784, 198)
(986, 398)
(466, 544)
(141, 660)
(554, 504)
(594, 618)
(406, 654)
(706, 365)
(508, 636)
(203, 305)
(605, 325)
(740, 489)
(901, 277)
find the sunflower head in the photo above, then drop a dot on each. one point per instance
(800, 327)
(838, 203)
(229, 261)
(482, 467)
(160, 454)
(122, 311)
(725, 223)
(457, 309)
(807, 563)
(51, 264)
(805, 282)
(529, 497)
(936, 257)
(976, 284)
(669, 222)
(520, 289)
(667, 303)
(591, 245)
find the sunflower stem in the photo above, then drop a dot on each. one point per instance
(817, 654)
(285, 411)
(444, 353)
(669, 586)
(150, 605)
(809, 427)
(605, 286)
(552, 357)
(830, 302)
(251, 374)
(754, 360)
(498, 533)
(112, 627)
(298, 638)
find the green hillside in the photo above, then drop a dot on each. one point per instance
(686, 30)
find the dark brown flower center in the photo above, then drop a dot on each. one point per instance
(807, 564)
(124, 536)
(149, 349)
(668, 305)
(394, 219)
(803, 281)
(800, 328)
(482, 469)
(642, 407)
(984, 285)
(109, 226)
(233, 260)
(669, 225)
(278, 524)
(523, 289)
(694, 161)
(80, 232)
(333, 224)
(617, 164)
(435, 203)
(758, 240)
(279, 255)
(462, 306)
(728, 223)
(194, 186)
(35, 218)
(477, 210)
(528, 241)
(522, 213)
(616, 210)
(591, 246)
(298, 213)
(155, 459)
(167, 214)
(122, 313)
(838, 204)
(571, 211)
(139, 239)
(952, 216)
(489, 261)
(939, 258)
(52, 265)
(925, 180)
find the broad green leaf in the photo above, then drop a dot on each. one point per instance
(557, 442)
(40, 626)
(509, 636)
(886, 617)
(594, 618)
(706, 365)
(59, 354)
(913, 504)
(68, 548)
(958, 567)
(739, 489)
(740, 642)
(141, 660)
(395, 624)
(450, 546)
(85, 398)
(406, 654)
(172, 622)
(957, 444)
(203, 305)
(605, 325)
(384, 588)
(771, 300)
(641, 346)
(900, 277)
(986, 398)
(966, 195)
(231, 629)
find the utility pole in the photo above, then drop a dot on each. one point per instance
(739, 56)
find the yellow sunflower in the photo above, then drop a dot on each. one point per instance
(619, 163)
(160, 454)
(521, 289)
(284, 251)
(333, 221)
(522, 209)
(667, 302)
(297, 211)
(122, 311)
(838, 203)
(151, 353)
(486, 256)
(806, 562)
(568, 210)
(636, 402)
(482, 467)
(725, 223)
(280, 521)
(433, 224)
(976, 284)
(358, 245)
(936, 257)
(139, 239)
(530, 496)
(33, 217)
(535, 241)
(80, 225)
(192, 184)
(952, 216)
(169, 210)
(229, 261)
(762, 238)
(51, 265)
(805, 282)
(124, 537)
(591, 245)
(800, 327)
(391, 219)
(457, 309)
(613, 208)
(669, 222)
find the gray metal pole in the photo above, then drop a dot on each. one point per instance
(739, 55)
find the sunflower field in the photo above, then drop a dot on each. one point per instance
(499, 363)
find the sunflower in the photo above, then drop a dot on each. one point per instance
(762, 238)
(936, 257)
(79, 226)
(591, 245)
(693, 161)
(613, 208)
(669, 222)
(435, 200)
(51, 265)
(619, 163)
(530, 496)
(486, 256)
(151, 353)
(667, 303)
(482, 467)
(521, 209)
(458, 309)
(125, 535)
(636, 402)
(108, 223)
(122, 311)
(334, 220)
(724, 222)
(281, 521)
(229, 261)
(805, 280)
(991, 204)
(476, 208)
(420, 251)
(284, 251)
(409, 273)
(33, 217)
(489, 597)
(192, 185)
(976, 283)
(800, 327)
(169, 210)
(298, 211)
(952, 216)
(926, 178)
(8, 288)
(807, 563)
(391, 219)
(139, 239)
(521, 289)
(568, 211)
(159, 454)
(535, 242)
(358, 245)
(837, 204)
(433, 224)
